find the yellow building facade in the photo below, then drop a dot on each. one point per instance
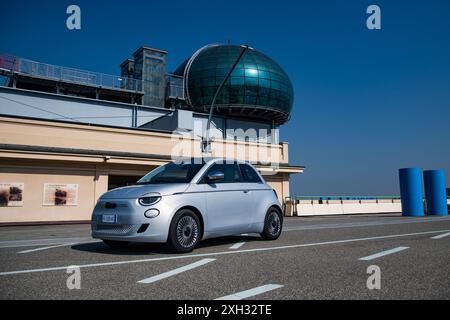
(84, 161)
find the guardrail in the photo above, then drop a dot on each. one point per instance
(175, 87)
(341, 197)
(339, 205)
(10, 64)
(47, 71)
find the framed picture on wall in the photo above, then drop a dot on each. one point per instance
(60, 194)
(11, 194)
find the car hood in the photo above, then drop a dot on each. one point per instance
(133, 192)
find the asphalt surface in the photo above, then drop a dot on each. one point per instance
(315, 258)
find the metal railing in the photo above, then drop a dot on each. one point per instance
(341, 198)
(175, 87)
(9, 64)
(76, 76)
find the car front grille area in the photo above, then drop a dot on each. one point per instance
(110, 205)
(121, 229)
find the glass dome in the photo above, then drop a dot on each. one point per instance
(258, 88)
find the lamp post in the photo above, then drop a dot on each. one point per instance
(206, 142)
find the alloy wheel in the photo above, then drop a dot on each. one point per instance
(187, 231)
(274, 223)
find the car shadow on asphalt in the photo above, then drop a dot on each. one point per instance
(230, 240)
(158, 248)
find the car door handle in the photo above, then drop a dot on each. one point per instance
(246, 191)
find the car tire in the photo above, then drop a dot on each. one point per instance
(185, 232)
(116, 244)
(273, 224)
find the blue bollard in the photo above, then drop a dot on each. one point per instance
(435, 192)
(411, 191)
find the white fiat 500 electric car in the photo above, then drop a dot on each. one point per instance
(183, 203)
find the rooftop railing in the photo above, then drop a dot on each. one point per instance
(175, 87)
(47, 71)
(11, 64)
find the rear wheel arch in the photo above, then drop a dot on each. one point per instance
(277, 207)
(272, 228)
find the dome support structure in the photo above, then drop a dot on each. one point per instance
(206, 141)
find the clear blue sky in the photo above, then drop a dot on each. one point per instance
(366, 102)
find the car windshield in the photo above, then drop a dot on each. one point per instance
(172, 173)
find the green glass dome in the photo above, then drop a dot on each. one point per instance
(258, 87)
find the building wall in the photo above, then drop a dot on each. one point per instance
(34, 176)
(18, 102)
(42, 105)
(79, 136)
(92, 180)
(280, 183)
(138, 152)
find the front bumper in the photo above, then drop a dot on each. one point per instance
(130, 223)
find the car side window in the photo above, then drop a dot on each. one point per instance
(231, 173)
(249, 174)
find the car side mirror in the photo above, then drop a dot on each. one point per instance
(215, 176)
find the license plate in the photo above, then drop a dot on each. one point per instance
(109, 218)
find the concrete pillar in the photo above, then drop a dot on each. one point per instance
(285, 152)
(100, 183)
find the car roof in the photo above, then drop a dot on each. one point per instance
(209, 160)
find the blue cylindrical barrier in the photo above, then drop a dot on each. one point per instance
(435, 192)
(411, 191)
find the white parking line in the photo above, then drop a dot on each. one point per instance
(41, 242)
(286, 228)
(383, 253)
(176, 271)
(250, 293)
(45, 248)
(210, 254)
(441, 236)
(237, 245)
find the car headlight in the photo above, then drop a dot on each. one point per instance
(148, 201)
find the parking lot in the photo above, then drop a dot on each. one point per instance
(315, 258)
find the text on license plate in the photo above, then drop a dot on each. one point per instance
(109, 218)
